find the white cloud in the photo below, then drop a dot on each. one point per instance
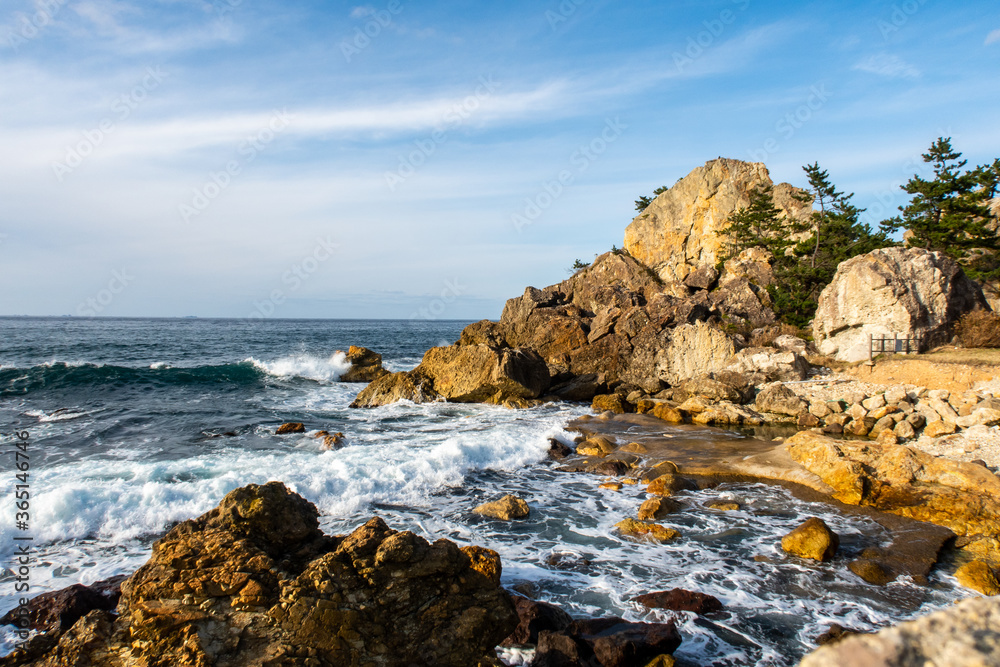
(177, 136)
(362, 12)
(993, 37)
(886, 65)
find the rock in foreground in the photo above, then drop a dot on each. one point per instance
(813, 539)
(898, 479)
(255, 582)
(966, 635)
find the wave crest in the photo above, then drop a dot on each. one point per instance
(305, 366)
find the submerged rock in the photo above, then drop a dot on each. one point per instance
(678, 599)
(507, 508)
(646, 530)
(290, 427)
(255, 582)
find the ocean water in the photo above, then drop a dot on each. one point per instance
(139, 423)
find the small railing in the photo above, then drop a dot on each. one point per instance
(894, 344)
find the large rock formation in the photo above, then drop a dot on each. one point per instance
(906, 291)
(645, 318)
(680, 230)
(965, 635)
(255, 582)
(462, 374)
(964, 497)
(610, 324)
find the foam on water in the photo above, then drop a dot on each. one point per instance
(306, 366)
(62, 414)
(167, 419)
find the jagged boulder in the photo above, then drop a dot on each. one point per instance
(366, 365)
(480, 374)
(906, 291)
(474, 373)
(255, 582)
(680, 230)
(403, 386)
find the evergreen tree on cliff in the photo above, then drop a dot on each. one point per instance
(802, 269)
(757, 225)
(951, 212)
(837, 235)
(643, 201)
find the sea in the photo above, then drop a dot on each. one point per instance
(136, 424)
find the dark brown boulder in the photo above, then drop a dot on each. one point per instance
(534, 617)
(558, 649)
(678, 599)
(607, 642)
(59, 610)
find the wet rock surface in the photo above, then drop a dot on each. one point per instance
(366, 365)
(678, 599)
(255, 582)
(606, 642)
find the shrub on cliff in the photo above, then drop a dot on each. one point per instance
(979, 328)
(642, 202)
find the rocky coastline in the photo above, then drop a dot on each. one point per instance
(657, 338)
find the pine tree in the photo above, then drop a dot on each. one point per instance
(802, 269)
(642, 202)
(824, 194)
(950, 213)
(756, 225)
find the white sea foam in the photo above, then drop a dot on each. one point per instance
(305, 366)
(115, 500)
(63, 414)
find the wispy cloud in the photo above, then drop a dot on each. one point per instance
(993, 37)
(890, 66)
(362, 12)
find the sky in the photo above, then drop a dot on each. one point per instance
(401, 159)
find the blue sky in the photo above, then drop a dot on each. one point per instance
(245, 158)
